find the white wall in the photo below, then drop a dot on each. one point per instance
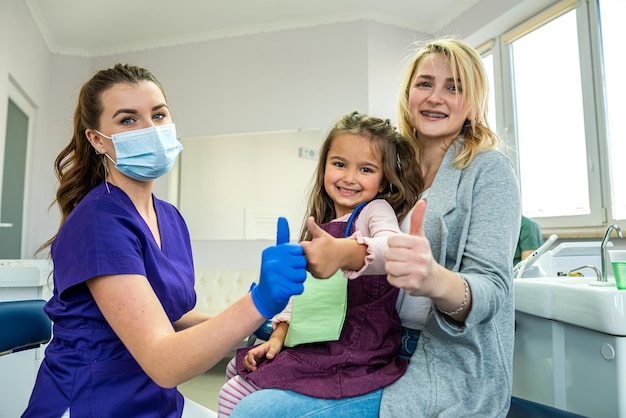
(292, 79)
(234, 187)
(388, 53)
(302, 78)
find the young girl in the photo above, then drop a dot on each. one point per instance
(367, 180)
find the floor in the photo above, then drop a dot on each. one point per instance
(204, 388)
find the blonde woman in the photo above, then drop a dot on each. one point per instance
(453, 265)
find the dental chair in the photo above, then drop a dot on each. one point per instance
(262, 333)
(23, 327)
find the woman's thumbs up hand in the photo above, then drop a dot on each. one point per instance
(409, 260)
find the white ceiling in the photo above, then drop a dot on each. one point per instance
(90, 28)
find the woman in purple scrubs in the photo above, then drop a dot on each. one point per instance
(124, 331)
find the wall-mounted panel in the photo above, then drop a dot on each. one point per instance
(234, 187)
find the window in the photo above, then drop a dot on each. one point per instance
(488, 64)
(549, 120)
(559, 101)
(489, 57)
(612, 14)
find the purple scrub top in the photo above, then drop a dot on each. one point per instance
(86, 367)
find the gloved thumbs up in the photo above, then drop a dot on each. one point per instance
(283, 271)
(282, 231)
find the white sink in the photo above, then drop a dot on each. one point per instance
(574, 301)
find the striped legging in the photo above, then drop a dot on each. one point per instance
(234, 390)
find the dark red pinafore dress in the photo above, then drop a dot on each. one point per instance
(361, 361)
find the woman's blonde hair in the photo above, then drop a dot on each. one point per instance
(467, 70)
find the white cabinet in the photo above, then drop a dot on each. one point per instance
(570, 337)
(569, 367)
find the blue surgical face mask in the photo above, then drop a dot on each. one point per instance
(146, 154)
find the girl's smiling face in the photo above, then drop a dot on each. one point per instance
(353, 173)
(436, 104)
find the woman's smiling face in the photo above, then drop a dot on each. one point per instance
(437, 109)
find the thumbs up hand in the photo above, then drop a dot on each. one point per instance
(323, 252)
(283, 271)
(409, 260)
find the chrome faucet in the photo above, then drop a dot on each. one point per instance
(605, 241)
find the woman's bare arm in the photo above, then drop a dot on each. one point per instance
(134, 312)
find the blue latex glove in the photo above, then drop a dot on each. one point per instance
(283, 270)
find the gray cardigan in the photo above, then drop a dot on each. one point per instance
(472, 222)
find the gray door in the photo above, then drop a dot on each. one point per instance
(13, 182)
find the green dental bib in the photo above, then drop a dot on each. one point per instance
(318, 313)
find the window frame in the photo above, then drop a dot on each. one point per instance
(594, 111)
